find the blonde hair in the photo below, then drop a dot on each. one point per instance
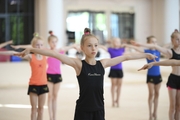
(51, 36)
(175, 33)
(35, 39)
(86, 35)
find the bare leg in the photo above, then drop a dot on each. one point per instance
(118, 90)
(54, 102)
(172, 99)
(33, 101)
(41, 102)
(177, 112)
(50, 97)
(113, 85)
(156, 97)
(150, 99)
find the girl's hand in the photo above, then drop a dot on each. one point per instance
(23, 53)
(151, 56)
(147, 66)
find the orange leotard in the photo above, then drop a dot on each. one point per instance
(38, 71)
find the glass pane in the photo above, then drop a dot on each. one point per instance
(2, 30)
(26, 26)
(26, 6)
(114, 25)
(13, 28)
(122, 25)
(13, 6)
(100, 27)
(2, 6)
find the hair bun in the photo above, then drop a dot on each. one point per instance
(51, 32)
(176, 30)
(87, 31)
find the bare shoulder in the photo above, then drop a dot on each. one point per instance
(77, 65)
(104, 62)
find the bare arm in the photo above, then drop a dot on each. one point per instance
(8, 52)
(26, 57)
(73, 62)
(21, 46)
(161, 63)
(167, 52)
(139, 49)
(6, 43)
(66, 48)
(131, 56)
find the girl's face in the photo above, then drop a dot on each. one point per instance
(176, 40)
(53, 43)
(90, 47)
(116, 42)
(38, 44)
(153, 41)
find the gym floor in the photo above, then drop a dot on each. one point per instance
(15, 105)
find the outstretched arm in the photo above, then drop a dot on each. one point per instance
(139, 49)
(21, 46)
(63, 58)
(6, 43)
(131, 56)
(161, 63)
(66, 48)
(167, 52)
(8, 52)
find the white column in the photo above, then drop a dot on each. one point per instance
(165, 19)
(55, 20)
(41, 18)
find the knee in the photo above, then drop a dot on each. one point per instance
(156, 94)
(172, 108)
(178, 108)
(151, 95)
(34, 109)
(55, 96)
(40, 110)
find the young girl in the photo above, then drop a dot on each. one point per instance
(90, 75)
(38, 81)
(116, 72)
(154, 78)
(173, 83)
(5, 43)
(53, 72)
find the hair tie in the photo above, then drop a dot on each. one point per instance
(36, 34)
(86, 33)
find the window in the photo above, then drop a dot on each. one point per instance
(94, 20)
(17, 21)
(122, 25)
